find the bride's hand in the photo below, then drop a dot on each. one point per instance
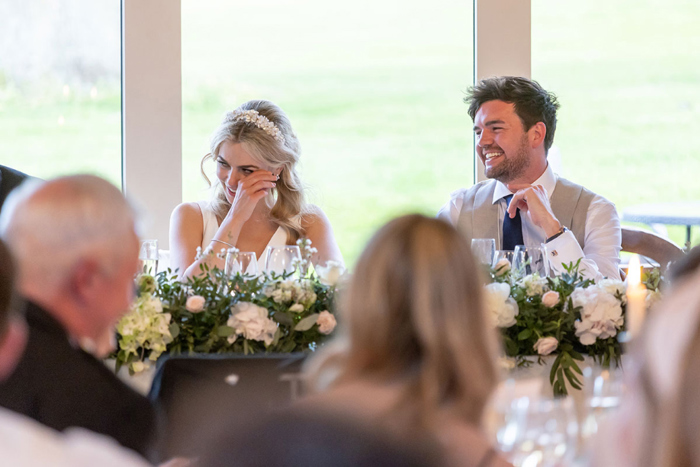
(249, 192)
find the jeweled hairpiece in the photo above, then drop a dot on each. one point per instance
(260, 121)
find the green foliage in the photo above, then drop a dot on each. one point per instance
(293, 304)
(536, 321)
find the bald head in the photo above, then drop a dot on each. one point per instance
(50, 225)
(68, 235)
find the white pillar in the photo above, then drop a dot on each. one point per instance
(152, 110)
(501, 44)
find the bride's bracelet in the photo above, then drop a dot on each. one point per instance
(221, 241)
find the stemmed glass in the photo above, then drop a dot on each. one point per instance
(241, 262)
(282, 259)
(603, 389)
(484, 250)
(502, 256)
(148, 257)
(541, 432)
(530, 260)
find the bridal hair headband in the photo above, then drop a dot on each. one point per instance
(260, 121)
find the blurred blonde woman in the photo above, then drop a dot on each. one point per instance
(417, 353)
(658, 421)
(258, 197)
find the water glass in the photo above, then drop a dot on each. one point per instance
(241, 262)
(483, 250)
(539, 432)
(148, 257)
(282, 259)
(530, 260)
(603, 389)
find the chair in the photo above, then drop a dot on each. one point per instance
(650, 245)
(194, 394)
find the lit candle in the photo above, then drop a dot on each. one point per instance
(636, 298)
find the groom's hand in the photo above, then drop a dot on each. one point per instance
(533, 200)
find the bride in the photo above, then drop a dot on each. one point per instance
(258, 200)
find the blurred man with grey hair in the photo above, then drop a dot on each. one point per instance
(77, 252)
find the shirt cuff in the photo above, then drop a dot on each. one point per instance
(563, 250)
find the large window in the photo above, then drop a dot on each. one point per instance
(627, 76)
(60, 109)
(372, 87)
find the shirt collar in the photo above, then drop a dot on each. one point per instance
(548, 180)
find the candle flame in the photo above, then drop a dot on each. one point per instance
(634, 271)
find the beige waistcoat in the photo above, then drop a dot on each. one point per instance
(479, 217)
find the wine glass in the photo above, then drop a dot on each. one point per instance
(148, 257)
(603, 389)
(541, 432)
(282, 259)
(484, 250)
(241, 262)
(530, 260)
(501, 257)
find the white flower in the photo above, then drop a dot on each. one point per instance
(331, 273)
(252, 322)
(326, 322)
(546, 345)
(613, 287)
(500, 305)
(195, 304)
(533, 284)
(550, 299)
(601, 313)
(296, 308)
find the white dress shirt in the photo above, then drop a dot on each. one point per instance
(27, 443)
(600, 256)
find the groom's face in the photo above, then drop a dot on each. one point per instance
(501, 141)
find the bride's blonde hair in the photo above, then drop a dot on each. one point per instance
(413, 314)
(270, 148)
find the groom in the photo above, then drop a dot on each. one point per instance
(524, 202)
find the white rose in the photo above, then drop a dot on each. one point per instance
(195, 304)
(331, 273)
(502, 266)
(546, 345)
(500, 305)
(296, 308)
(550, 299)
(326, 322)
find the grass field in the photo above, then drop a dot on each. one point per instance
(374, 91)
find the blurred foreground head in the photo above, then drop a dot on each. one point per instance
(76, 249)
(413, 314)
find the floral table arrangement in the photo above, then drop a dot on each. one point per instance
(567, 316)
(218, 313)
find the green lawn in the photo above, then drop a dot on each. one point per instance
(376, 101)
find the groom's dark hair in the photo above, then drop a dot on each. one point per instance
(532, 103)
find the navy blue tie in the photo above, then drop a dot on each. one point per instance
(512, 229)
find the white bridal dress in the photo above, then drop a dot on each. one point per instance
(211, 225)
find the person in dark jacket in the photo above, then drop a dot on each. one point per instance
(77, 252)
